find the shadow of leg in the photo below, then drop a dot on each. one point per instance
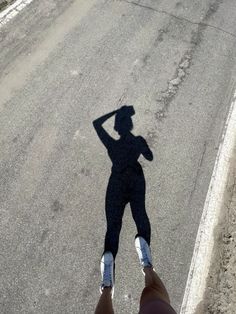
(114, 224)
(141, 219)
(115, 206)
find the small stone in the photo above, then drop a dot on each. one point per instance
(175, 81)
(47, 292)
(74, 72)
(184, 64)
(181, 73)
(172, 89)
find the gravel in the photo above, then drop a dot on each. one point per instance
(220, 296)
(5, 3)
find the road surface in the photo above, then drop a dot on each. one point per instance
(65, 63)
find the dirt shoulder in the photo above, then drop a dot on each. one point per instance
(220, 296)
(5, 3)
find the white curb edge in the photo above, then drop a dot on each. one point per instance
(200, 264)
(11, 11)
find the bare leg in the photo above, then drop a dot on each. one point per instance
(105, 302)
(154, 287)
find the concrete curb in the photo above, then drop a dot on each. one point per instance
(200, 264)
(12, 10)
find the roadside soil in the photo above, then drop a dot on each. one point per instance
(5, 3)
(220, 295)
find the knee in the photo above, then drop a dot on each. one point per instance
(148, 294)
(150, 291)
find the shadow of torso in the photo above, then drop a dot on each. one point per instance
(124, 154)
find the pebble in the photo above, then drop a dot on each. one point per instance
(175, 81)
(184, 64)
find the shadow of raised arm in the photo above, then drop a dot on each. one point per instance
(105, 138)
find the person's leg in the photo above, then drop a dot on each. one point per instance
(154, 287)
(107, 285)
(105, 302)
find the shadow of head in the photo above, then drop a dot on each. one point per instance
(123, 121)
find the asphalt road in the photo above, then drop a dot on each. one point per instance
(65, 63)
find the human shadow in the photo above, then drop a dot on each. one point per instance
(126, 183)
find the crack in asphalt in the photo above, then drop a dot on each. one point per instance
(181, 71)
(173, 85)
(180, 18)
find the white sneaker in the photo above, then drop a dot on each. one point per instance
(143, 251)
(107, 271)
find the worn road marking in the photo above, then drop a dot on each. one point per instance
(201, 259)
(25, 65)
(11, 11)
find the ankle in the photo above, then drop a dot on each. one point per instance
(107, 290)
(148, 269)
